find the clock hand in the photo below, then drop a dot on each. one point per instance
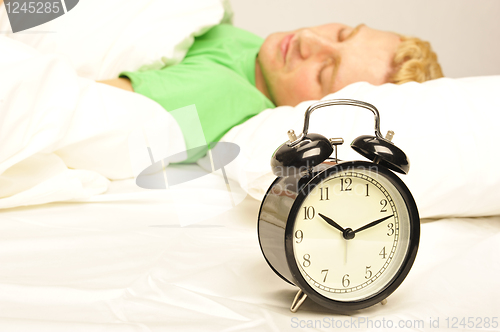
(345, 253)
(373, 223)
(331, 222)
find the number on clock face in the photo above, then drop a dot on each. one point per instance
(361, 249)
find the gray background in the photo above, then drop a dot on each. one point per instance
(464, 33)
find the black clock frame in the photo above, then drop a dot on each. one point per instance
(292, 274)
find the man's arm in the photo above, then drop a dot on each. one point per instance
(121, 83)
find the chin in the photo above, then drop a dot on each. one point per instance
(281, 100)
(270, 52)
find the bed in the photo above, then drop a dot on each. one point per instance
(129, 265)
(84, 248)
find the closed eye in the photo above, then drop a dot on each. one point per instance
(351, 33)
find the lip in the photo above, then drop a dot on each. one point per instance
(285, 45)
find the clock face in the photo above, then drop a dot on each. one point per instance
(351, 234)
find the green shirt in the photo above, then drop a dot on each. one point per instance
(217, 75)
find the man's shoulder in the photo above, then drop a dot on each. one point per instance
(226, 31)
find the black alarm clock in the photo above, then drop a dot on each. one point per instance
(346, 233)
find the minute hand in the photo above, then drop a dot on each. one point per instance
(373, 223)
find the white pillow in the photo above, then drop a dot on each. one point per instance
(103, 38)
(447, 128)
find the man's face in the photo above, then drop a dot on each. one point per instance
(308, 64)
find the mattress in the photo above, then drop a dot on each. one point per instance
(138, 260)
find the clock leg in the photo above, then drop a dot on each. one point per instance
(383, 302)
(300, 297)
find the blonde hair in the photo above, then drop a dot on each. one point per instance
(415, 61)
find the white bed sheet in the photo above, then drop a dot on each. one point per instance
(124, 262)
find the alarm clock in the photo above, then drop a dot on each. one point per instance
(346, 233)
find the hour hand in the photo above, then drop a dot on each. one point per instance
(331, 222)
(373, 223)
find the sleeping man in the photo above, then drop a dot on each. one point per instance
(231, 74)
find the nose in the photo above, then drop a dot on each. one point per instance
(313, 44)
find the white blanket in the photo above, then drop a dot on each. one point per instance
(63, 136)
